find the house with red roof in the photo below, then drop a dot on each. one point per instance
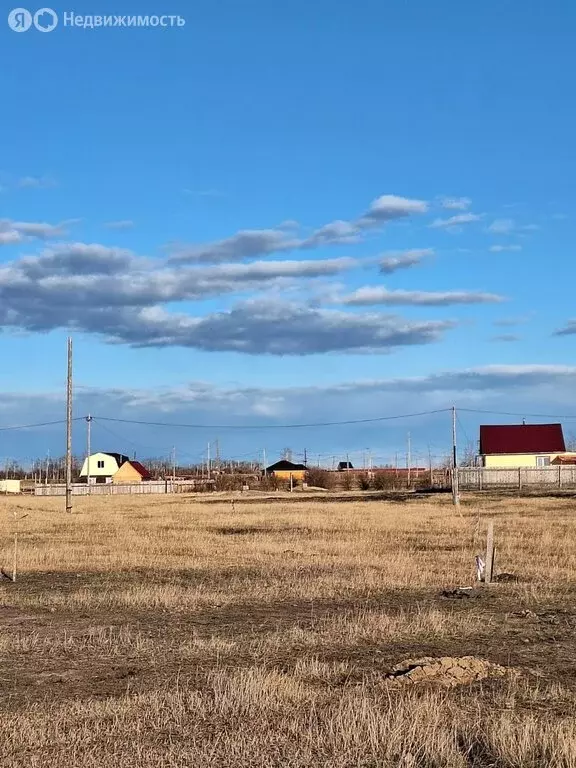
(523, 445)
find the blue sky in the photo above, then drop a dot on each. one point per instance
(280, 119)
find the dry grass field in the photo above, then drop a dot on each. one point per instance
(163, 632)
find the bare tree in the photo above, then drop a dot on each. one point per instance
(287, 454)
(469, 455)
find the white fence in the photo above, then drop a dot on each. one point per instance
(111, 489)
(482, 478)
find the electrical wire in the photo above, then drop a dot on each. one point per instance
(125, 439)
(521, 415)
(42, 424)
(273, 426)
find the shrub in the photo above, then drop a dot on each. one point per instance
(269, 483)
(365, 482)
(320, 478)
(384, 481)
(348, 481)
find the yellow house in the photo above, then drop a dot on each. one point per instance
(131, 472)
(284, 469)
(514, 460)
(522, 445)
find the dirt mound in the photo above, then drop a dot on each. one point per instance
(446, 670)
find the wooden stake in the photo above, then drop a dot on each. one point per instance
(69, 430)
(489, 553)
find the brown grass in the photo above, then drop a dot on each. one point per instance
(167, 632)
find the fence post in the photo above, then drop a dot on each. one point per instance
(519, 478)
(489, 553)
(559, 475)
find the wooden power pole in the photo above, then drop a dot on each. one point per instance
(69, 430)
(409, 460)
(455, 486)
(88, 450)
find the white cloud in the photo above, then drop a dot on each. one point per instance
(395, 260)
(502, 248)
(17, 231)
(36, 182)
(390, 207)
(245, 244)
(509, 322)
(250, 243)
(122, 224)
(510, 388)
(455, 222)
(502, 226)
(371, 295)
(337, 232)
(10, 236)
(506, 337)
(568, 330)
(455, 203)
(275, 328)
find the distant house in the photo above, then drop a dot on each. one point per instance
(103, 466)
(522, 445)
(10, 486)
(344, 465)
(284, 469)
(131, 472)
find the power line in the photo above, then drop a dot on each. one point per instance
(274, 426)
(527, 415)
(41, 424)
(125, 439)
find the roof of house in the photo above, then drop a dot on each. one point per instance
(521, 438)
(285, 466)
(569, 460)
(140, 468)
(120, 457)
(345, 465)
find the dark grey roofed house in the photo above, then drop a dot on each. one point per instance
(120, 458)
(286, 466)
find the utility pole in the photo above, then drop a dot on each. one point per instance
(217, 457)
(208, 461)
(264, 461)
(69, 430)
(88, 449)
(305, 457)
(455, 487)
(173, 467)
(409, 460)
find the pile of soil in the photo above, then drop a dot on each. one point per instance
(445, 670)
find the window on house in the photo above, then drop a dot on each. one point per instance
(542, 461)
(100, 464)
